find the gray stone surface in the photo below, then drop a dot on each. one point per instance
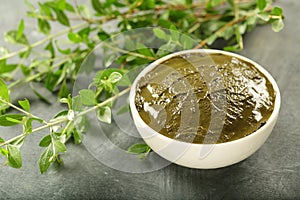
(273, 172)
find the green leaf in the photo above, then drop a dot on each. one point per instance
(165, 49)
(25, 54)
(276, 11)
(59, 146)
(27, 126)
(45, 10)
(44, 26)
(62, 17)
(138, 148)
(46, 141)
(104, 114)
(130, 58)
(36, 119)
(82, 124)
(63, 51)
(5, 120)
(103, 35)
(52, 80)
(20, 30)
(7, 68)
(64, 90)
(25, 70)
(67, 100)
(159, 33)
(213, 3)
(114, 77)
(188, 2)
(147, 4)
(13, 120)
(231, 48)
(264, 16)
(61, 4)
(229, 32)
(14, 156)
(261, 4)
(4, 95)
(251, 21)
(73, 37)
(102, 76)
(76, 103)
(97, 5)
(84, 32)
(3, 151)
(231, 2)
(25, 104)
(3, 52)
(142, 49)
(77, 136)
(11, 37)
(61, 114)
(4, 92)
(44, 161)
(239, 37)
(69, 7)
(50, 48)
(88, 97)
(1, 140)
(186, 41)
(277, 25)
(174, 33)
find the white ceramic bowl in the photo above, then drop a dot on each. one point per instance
(204, 156)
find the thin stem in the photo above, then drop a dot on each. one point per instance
(221, 30)
(129, 52)
(65, 119)
(38, 43)
(20, 109)
(33, 77)
(103, 103)
(11, 140)
(67, 126)
(62, 120)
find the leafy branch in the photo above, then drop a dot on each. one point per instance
(182, 25)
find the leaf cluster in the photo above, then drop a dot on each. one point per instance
(178, 25)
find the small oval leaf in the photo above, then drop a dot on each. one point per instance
(44, 161)
(5, 120)
(14, 156)
(138, 148)
(46, 141)
(25, 104)
(104, 114)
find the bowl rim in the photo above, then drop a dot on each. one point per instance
(272, 118)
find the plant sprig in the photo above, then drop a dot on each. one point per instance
(178, 25)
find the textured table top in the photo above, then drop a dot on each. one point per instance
(273, 172)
